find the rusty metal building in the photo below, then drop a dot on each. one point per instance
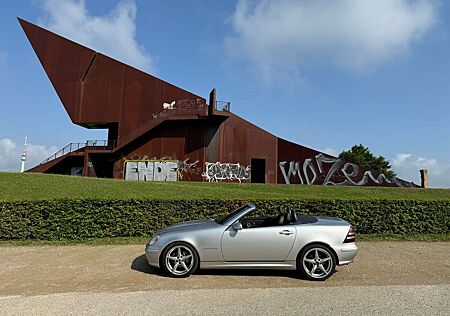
(157, 131)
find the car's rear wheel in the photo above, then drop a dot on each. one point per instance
(316, 262)
(179, 260)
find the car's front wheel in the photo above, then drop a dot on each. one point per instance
(316, 262)
(179, 260)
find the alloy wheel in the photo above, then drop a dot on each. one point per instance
(179, 260)
(317, 262)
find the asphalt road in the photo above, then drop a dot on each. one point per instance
(386, 278)
(359, 300)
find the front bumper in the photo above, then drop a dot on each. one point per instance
(346, 253)
(152, 253)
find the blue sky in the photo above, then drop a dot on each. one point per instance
(327, 74)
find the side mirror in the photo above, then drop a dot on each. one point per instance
(236, 226)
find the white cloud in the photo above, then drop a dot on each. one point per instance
(286, 35)
(3, 59)
(113, 34)
(407, 167)
(10, 154)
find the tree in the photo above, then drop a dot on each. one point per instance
(361, 155)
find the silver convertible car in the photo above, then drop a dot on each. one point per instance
(247, 239)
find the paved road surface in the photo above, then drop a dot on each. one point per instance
(387, 277)
(355, 300)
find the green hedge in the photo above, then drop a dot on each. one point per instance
(70, 219)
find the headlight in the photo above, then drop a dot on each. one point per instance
(154, 240)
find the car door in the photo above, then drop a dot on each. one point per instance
(258, 244)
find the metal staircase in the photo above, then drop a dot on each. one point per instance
(73, 147)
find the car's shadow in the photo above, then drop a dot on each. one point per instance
(140, 264)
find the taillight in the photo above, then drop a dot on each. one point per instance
(350, 235)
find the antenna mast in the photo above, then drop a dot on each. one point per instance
(24, 155)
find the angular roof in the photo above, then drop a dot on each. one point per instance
(98, 91)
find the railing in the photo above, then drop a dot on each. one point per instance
(91, 144)
(223, 106)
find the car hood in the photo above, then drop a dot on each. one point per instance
(191, 225)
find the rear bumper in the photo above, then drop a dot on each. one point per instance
(152, 253)
(346, 253)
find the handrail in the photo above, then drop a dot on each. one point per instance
(91, 144)
(223, 106)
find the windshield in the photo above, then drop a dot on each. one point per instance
(225, 218)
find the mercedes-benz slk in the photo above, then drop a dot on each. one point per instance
(247, 239)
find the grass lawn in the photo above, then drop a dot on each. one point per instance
(34, 186)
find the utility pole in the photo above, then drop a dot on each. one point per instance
(24, 155)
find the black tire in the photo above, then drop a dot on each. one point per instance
(308, 263)
(180, 266)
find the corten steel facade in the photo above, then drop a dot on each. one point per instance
(157, 131)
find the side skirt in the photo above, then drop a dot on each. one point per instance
(287, 265)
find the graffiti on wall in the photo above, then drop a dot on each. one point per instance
(326, 170)
(160, 169)
(217, 171)
(188, 104)
(169, 106)
(76, 171)
(186, 168)
(151, 170)
(184, 105)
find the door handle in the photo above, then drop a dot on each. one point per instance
(286, 232)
